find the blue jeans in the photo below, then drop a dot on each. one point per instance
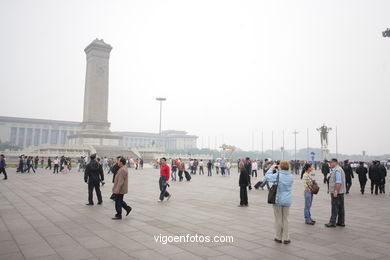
(308, 201)
(265, 182)
(163, 187)
(174, 174)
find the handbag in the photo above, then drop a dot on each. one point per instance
(272, 192)
(314, 187)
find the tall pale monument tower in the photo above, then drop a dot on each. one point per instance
(96, 86)
(95, 126)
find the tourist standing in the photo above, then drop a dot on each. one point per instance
(48, 163)
(21, 165)
(2, 166)
(348, 175)
(209, 166)
(375, 176)
(243, 183)
(36, 161)
(120, 188)
(164, 180)
(285, 180)
(382, 181)
(201, 164)
(362, 171)
(267, 165)
(308, 195)
(42, 161)
(181, 168)
(174, 166)
(56, 164)
(93, 175)
(228, 167)
(216, 164)
(254, 168)
(222, 165)
(325, 170)
(141, 163)
(30, 164)
(336, 184)
(248, 167)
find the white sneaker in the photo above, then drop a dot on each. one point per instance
(169, 197)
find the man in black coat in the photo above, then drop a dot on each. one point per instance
(21, 166)
(362, 171)
(243, 183)
(48, 163)
(325, 170)
(93, 175)
(375, 176)
(383, 175)
(114, 170)
(248, 167)
(348, 175)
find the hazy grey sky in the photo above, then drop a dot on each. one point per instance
(227, 68)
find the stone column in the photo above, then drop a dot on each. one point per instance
(96, 87)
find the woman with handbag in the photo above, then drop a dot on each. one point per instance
(283, 180)
(308, 193)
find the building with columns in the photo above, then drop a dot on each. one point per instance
(27, 132)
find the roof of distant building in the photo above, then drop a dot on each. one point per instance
(36, 121)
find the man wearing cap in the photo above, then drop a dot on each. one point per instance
(120, 188)
(164, 180)
(93, 176)
(337, 189)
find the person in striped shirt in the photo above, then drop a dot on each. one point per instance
(308, 195)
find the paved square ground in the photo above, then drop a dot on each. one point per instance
(43, 216)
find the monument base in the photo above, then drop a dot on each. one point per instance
(95, 139)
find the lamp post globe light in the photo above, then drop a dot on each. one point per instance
(160, 99)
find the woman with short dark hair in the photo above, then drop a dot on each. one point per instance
(308, 195)
(283, 177)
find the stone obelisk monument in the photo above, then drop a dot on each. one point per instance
(95, 128)
(96, 86)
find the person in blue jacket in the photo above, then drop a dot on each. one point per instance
(281, 174)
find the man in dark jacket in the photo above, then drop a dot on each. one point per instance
(243, 183)
(48, 163)
(361, 171)
(375, 176)
(2, 166)
(36, 161)
(348, 175)
(325, 170)
(21, 166)
(114, 170)
(248, 167)
(383, 175)
(93, 175)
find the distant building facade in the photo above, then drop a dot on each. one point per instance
(169, 140)
(26, 132)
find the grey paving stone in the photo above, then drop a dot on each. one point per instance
(40, 219)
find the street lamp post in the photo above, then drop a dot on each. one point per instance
(161, 99)
(295, 145)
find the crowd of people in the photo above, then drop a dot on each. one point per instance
(277, 177)
(30, 163)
